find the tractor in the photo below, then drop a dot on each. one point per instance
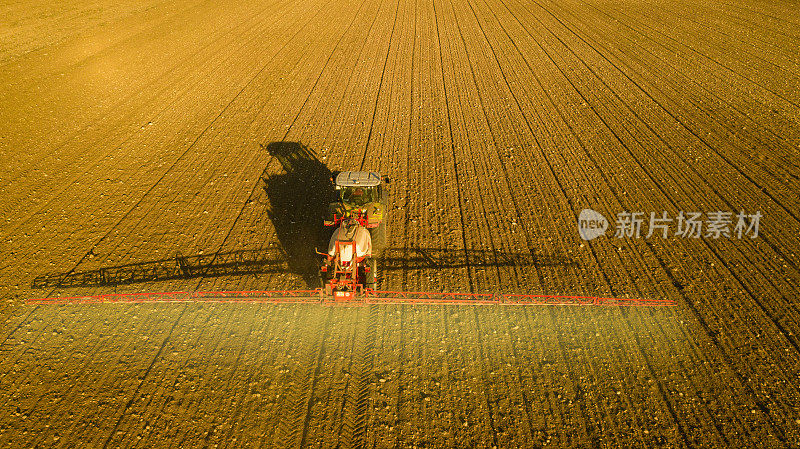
(359, 211)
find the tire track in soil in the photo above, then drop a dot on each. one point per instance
(284, 341)
(751, 391)
(277, 331)
(516, 356)
(761, 11)
(484, 109)
(587, 421)
(112, 381)
(175, 163)
(507, 178)
(213, 328)
(161, 79)
(243, 89)
(264, 105)
(405, 182)
(160, 411)
(350, 95)
(258, 181)
(591, 432)
(752, 64)
(13, 387)
(725, 67)
(389, 140)
(606, 181)
(273, 161)
(315, 378)
(768, 115)
(344, 426)
(117, 357)
(550, 166)
(357, 93)
(539, 277)
(183, 368)
(293, 423)
(727, 159)
(777, 141)
(491, 412)
(730, 364)
(689, 129)
(146, 373)
(740, 279)
(350, 428)
(380, 86)
(459, 199)
(365, 381)
(604, 347)
(406, 175)
(722, 259)
(401, 361)
(774, 52)
(782, 330)
(480, 330)
(712, 37)
(329, 66)
(402, 356)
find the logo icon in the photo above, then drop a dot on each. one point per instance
(591, 224)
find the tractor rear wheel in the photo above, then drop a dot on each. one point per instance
(325, 275)
(378, 236)
(372, 274)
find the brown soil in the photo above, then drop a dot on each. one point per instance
(134, 131)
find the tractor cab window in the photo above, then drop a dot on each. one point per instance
(359, 196)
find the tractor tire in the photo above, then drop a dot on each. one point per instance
(371, 276)
(324, 277)
(378, 239)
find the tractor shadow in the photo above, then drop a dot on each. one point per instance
(443, 258)
(299, 199)
(273, 259)
(242, 262)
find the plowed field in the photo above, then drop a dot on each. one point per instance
(132, 132)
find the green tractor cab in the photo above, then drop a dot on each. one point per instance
(363, 196)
